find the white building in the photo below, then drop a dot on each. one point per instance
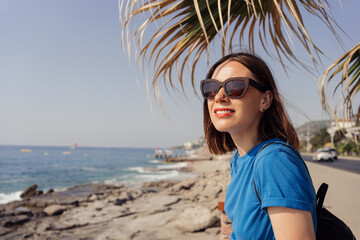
(349, 127)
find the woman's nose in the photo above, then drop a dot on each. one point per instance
(221, 96)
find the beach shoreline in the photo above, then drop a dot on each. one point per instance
(166, 209)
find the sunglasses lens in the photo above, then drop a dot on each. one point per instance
(210, 89)
(235, 88)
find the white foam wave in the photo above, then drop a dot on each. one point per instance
(155, 161)
(91, 169)
(61, 189)
(111, 181)
(137, 169)
(143, 169)
(159, 176)
(5, 198)
(163, 167)
(172, 166)
(14, 180)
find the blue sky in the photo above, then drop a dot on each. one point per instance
(64, 78)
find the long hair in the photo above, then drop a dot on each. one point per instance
(275, 122)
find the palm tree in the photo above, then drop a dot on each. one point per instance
(187, 27)
(349, 67)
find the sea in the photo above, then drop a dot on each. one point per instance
(61, 167)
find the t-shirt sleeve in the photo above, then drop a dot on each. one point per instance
(282, 180)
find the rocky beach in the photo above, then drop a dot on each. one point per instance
(166, 209)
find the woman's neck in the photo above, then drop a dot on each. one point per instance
(245, 143)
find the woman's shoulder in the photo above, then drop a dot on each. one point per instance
(276, 149)
(276, 145)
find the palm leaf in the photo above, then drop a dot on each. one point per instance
(349, 67)
(187, 27)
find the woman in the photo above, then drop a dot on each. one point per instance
(271, 193)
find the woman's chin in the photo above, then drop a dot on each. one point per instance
(223, 128)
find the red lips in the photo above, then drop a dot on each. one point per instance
(223, 112)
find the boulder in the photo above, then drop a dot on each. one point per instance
(50, 191)
(23, 211)
(160, 184)
(211, 192)
(11, 221)
(184, 185)
(195, 219)
(93, 197)
(55, 210)
(123, 198)
(31, 191)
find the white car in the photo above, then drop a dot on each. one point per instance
(325, 154)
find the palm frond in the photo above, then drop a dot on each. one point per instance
(349, 67)
(188, 27)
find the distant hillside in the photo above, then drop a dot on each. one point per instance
(313, 127)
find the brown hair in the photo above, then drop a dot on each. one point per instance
(275, 123)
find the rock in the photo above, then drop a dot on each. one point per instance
(111, 199)
(195, 219)
(119, 201)
(186, 185)
(11, 221)
(210, 192)
(4, 231)
(93, 197)
(61, 227)
(160, 184)
(23, 211)
(156, 203)
(160, 210)
(97, 211)
(7, 212)
(31, 191)
(54, 210)
(123, 198)
(213, 231)
(50, 191)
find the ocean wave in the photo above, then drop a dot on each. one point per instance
(172, 166)
(137, 169)
(92, 169)
(155, 161)
(114, 182)
(9, 197)
(144, 169)
(14, 180)
(159, 176)
(158, 168)
(168, 175)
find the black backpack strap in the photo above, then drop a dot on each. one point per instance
(257, 194)
(292, 148)
(320, 197)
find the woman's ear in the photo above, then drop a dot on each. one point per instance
(266, 101)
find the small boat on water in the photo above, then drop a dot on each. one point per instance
(66, 153)
(74, 146)
(26, 150)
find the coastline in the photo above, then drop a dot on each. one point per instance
(166, 209)
(57, 171)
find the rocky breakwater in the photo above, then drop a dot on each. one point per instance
(160, 210)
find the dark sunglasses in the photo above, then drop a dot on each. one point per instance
(234, 87)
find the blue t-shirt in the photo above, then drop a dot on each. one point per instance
(282, 180)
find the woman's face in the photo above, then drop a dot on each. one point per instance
(236, 116)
